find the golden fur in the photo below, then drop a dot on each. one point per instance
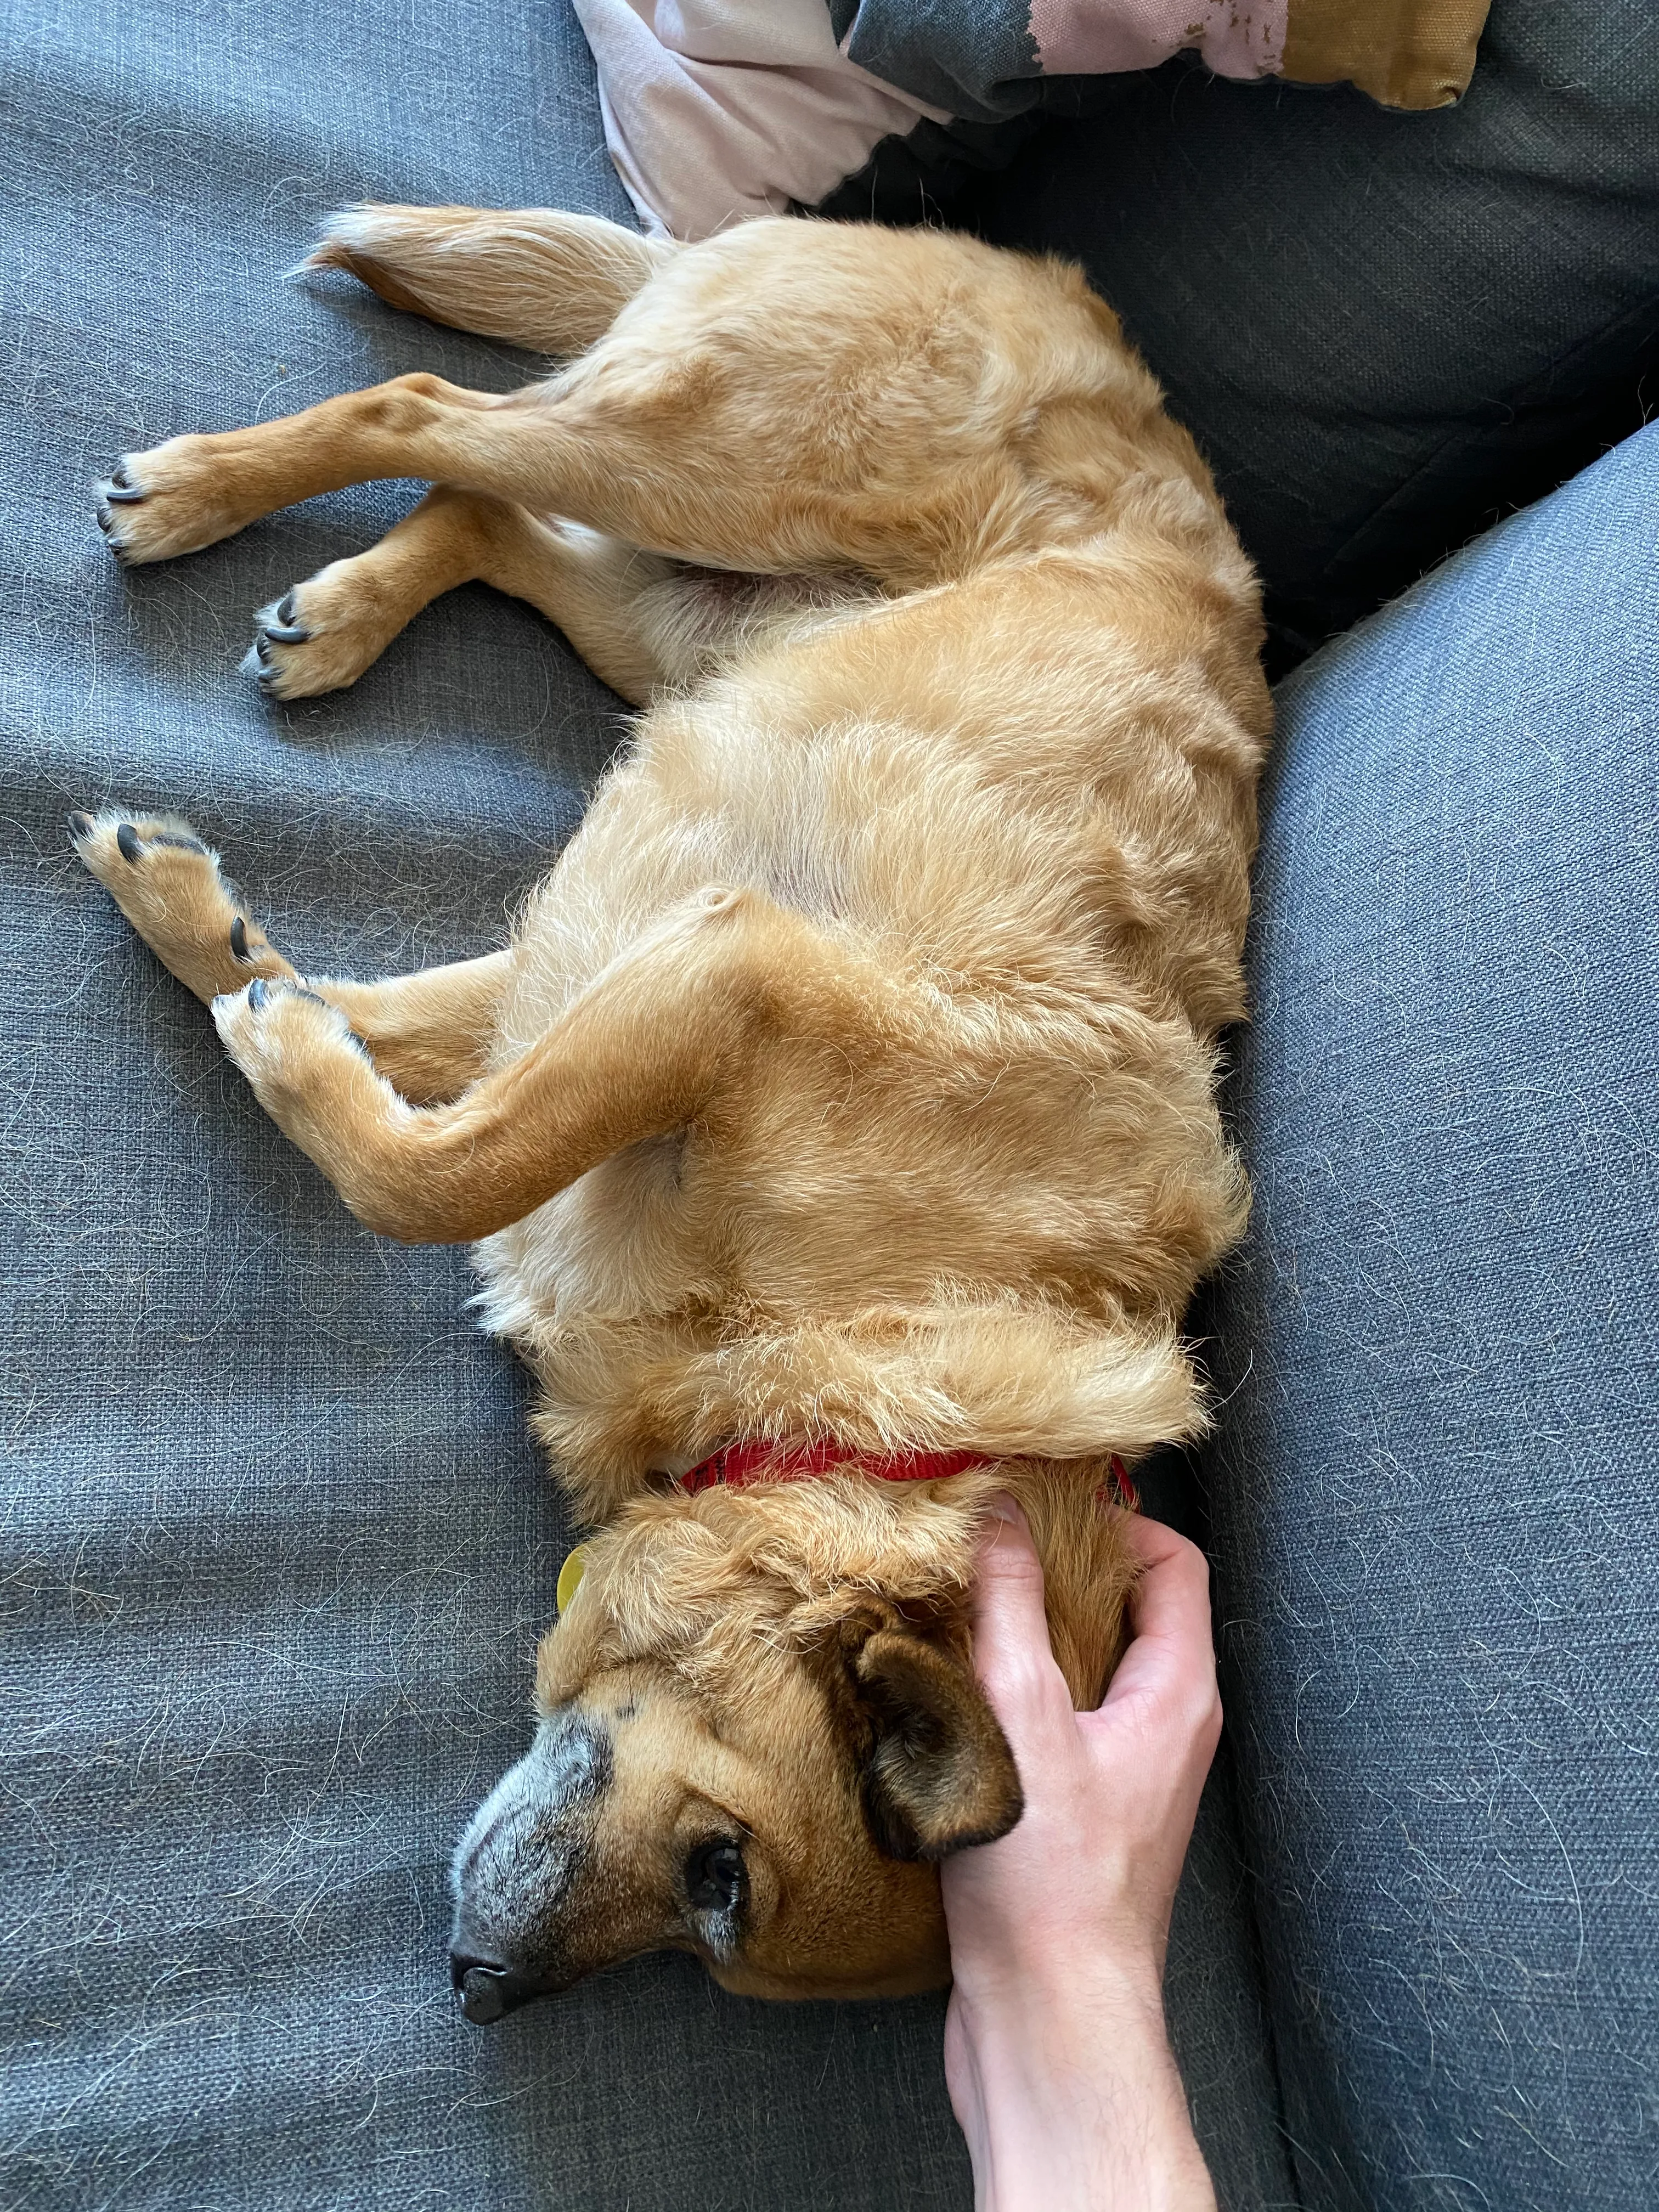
(852, 1074)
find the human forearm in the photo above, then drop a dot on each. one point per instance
(1071, 2101)
(1055, 2047)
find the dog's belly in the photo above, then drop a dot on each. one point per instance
(1016, 835)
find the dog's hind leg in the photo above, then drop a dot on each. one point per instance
(672, 480)
(614, 604)
(639, 620)
(191, 491)
(429, 1033)
(194, 490)
(539, 278)
(793, 399)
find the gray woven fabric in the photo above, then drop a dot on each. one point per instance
(276, 1546)
(1436, 1509)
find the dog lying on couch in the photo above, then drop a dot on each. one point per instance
(837, 1134)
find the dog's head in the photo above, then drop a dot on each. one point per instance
(760, 1730)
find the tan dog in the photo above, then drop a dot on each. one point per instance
(849, 1081)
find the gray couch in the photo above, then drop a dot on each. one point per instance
(277, 1545)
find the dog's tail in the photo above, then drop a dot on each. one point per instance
(551, 281)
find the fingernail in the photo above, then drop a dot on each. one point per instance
(1001, 1507)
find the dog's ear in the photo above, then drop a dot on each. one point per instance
(940, 1775)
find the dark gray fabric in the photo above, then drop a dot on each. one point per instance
(978, 62)
(1384, 330)
(1435, 1504)
(276, 1545)
(1218, 2022)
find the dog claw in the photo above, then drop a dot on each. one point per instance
(275, 626)
(132, 845)
(257, 995)
(79, 824)
(107, 524)
(119, 488)
(284, 627)
(239, 938)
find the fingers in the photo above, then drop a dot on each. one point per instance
(1171, 1661)
(1012, 1655)
(1171, 1599)
(1006, 1609)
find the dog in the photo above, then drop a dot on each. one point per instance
(838, 1134)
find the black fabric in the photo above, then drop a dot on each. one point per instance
(922, 174)
(1385, 329)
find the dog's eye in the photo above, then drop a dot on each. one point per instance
(714, 1877)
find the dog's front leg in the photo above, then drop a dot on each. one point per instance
(604, 595)
(429, 1033)
(656, 1042)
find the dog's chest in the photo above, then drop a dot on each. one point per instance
(868, 831)
(617, 1243)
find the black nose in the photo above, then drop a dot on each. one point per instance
(487, 1989)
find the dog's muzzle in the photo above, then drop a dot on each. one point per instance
(515, 1867)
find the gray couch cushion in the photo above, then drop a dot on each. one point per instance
(1435, 1511)
(276, 1546)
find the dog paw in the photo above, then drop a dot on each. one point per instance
(320, 636)
(310, 1071)
(173, 499)
(172, 888)
(276, 1032)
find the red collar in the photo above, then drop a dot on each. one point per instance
(735, 1466)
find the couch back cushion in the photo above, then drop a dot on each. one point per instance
(1435, 1508)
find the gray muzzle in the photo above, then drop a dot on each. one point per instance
(515, 1866)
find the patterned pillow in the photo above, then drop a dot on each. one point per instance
(718, 110)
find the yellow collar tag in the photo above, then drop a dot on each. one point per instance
(570, 1575)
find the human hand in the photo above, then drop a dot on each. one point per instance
(1055, 2051)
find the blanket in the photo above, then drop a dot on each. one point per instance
(719, 110)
